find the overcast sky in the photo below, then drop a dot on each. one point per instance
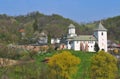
(77, 10)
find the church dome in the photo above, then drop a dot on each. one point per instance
(71, 26)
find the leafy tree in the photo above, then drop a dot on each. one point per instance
(96, 47)
(35, 25)
(9, 26)
(63, 65)
(49, 39)
(103, 66)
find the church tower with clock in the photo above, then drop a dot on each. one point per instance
(101, 34)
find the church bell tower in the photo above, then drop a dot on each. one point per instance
(101, 35)
(71, 30)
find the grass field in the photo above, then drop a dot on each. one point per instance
(83, 72)
(84, 67)
(37, 70)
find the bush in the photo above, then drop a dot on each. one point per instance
(103, 66)
(16, 53)
(7, 52)
(115, 51)
(63, 65)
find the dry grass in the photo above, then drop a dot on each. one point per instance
(10, 62)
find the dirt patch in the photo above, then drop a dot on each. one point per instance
(7, 62)
(10, 62)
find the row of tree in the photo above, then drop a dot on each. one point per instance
(54, 25)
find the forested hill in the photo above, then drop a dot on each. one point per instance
(54, 25)
(112, 25)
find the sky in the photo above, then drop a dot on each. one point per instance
(77, 10)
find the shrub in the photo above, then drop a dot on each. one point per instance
(103, 66)
(115, 51)
(63, 65)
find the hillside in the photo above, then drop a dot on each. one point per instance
(54, 25)
(113, 26)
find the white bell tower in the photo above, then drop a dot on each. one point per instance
(71, 30)
(101, 35)
(71, 34)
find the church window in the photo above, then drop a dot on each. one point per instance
(91, 41)
(88, 41)
(102, 33)
(77, 41)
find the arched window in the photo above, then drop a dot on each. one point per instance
(102, 33)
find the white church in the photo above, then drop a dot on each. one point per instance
(87, 42)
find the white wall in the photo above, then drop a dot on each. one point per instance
(76, 45)
(102, 40)
(91, 46)
(57, 40)
(72, 31)
(53, 40)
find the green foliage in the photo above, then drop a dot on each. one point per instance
(112, 25)
(116, 51)
(84, 67)
(49, 39)
(40, 70)
(16, 53)
(7, 52)
(35, 25)
(27, 69)
(22, 71)
(63, 65)
(55, 25)
(51, 49)
(103, 66)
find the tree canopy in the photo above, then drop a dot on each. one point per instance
(55, 25)
(103, 66)
(63, 65)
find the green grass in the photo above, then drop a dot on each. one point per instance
(85, 57)
(83, 71)
(18, 72)
(84, 67)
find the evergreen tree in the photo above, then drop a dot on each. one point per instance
(96, 47)
(35, 25)
(49, 39)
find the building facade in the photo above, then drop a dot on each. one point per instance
(87, 42)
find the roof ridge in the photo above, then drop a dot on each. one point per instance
(71, 25)
(101, 27)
